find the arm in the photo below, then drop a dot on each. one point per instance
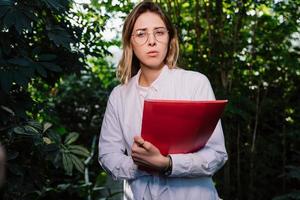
(209, 159)
(205, 162)
(112, 155)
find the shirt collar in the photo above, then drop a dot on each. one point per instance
(156, 85)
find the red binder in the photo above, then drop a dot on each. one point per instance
(179, 126)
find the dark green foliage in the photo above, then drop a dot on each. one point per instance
(54, 84)
(248, 51)
(41, 43)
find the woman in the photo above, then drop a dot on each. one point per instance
(147, 70)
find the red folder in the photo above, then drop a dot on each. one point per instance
(179, 126)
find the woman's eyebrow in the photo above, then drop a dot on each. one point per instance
(159, 27)
(140, 29)
(144, 29)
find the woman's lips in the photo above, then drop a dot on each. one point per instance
(152, 53)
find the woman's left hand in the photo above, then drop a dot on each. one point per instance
(147, 155)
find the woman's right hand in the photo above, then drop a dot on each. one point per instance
(147, 155)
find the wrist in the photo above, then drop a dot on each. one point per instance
(167, 170)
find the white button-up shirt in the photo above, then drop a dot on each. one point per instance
(191, 173)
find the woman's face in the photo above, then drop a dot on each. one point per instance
(150, 40)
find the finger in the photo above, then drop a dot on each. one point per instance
(147, 146)
(137, 156)
(139, 140)
(141, 162)
(134, 147)
(137, 150)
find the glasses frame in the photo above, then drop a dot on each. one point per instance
(134, 35)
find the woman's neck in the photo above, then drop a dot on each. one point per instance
(149, 75)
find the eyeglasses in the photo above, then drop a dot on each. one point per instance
(142, 36)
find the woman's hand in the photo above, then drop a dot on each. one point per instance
(146, 155)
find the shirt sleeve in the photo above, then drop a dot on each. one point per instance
(112, 152)
(209, 159)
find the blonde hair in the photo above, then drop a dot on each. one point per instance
(129, 63)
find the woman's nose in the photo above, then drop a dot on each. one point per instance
(151, 39)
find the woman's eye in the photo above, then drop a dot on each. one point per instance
(140, 34)
(160, 33)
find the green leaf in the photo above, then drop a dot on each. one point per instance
(46, 126)
(60, 37)
(6, 3)
(31, 130)
(101, 179)
(37, 140)
(41, 71)
(22, 22)
(54, 137)
(67, 163)
(47, 57)
(7, 109)
(64, 187)
(79, 150)
(19, 130)
(30, 14)
(51, 66)
(19, 61)
(27, 71)
(15, 17)
(77, 163)
(71, 137)
(36, 125)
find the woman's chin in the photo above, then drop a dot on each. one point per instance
(154, 65)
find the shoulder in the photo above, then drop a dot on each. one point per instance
(120, 91)
(189, 76)
(115, 93)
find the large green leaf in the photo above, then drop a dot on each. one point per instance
(67, 163)
(51, 66)
(54, 136)
(77, 163)
(19, 61)
(71, 137)
(15, 17)
(19, 130)
(79, 150)
(6, 2)
(46, 126)
(38, 126)
(31, 130)
(41, 70)
(47, 57)
(7, 109)
(60, 36)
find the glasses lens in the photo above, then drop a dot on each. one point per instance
(161, 34)
(140, 36)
